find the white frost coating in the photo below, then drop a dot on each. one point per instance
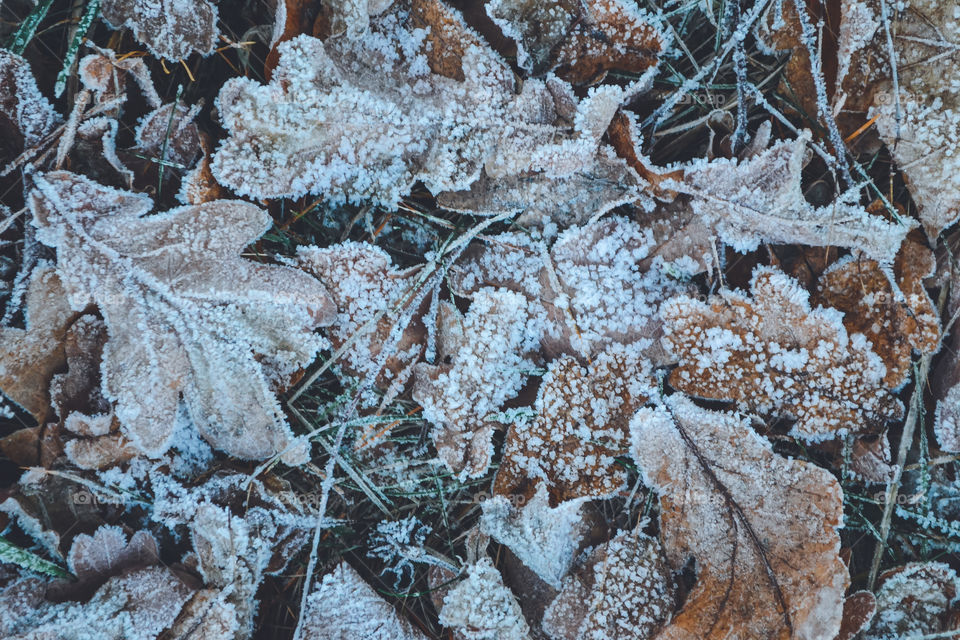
(172, 29)
(489, 351)
(760, 200)
(545, 539)
(915, 601)
(481, 607)
(185, 314)
(21, 102)
(343, 607)
(947, 424)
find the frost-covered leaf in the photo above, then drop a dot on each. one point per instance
(771, 353)
(895, 321)
(763, 529)
(624, 591)
(580, 39)
(481, 607)
(186, 314)
(344, 607)
(363, 118)
(106, 75)
(917, 117)
(546, 539)
(172, 29)
(363, 282)
(916, 600)
(598, 289)
(858, 610)
(168, 134)
(760, 200)
(29, 357)
(353, 16)
(26, 116)
(489, 351)
(581, 425)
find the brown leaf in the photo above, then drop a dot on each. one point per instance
(763, 529)
(771, 353)
(172, 29)
(858, 610)
(29, 357)
(185, 312)
(480, 606)
(916, 599)
(581, 425)
(623, 591)
(363, 282)
(26, 116)
(489, 354)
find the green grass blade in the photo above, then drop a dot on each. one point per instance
(89, 13)
(24, 33)
(9, 552)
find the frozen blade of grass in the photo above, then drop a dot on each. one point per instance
(79, 32)
(11, 553)
(28, 28)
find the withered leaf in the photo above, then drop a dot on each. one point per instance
(363, 282)
(30, 356)
(760, 200)
(581, 425)
(344, 606)
(763, 529)
(187, 316)
(896, 321)
(26, 116)
(172, 29)
(624, 590)
(771, 353)
(489, 353)
(481, 607)
(916, 600)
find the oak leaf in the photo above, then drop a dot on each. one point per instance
(187, 316)
(771, 353)
(763, 529)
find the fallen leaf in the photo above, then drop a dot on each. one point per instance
(29, 357)
(172, 29)
(363, 283)
(624, 590)
(480, 607)
(26, 116)
(915, 600)
(489, 353)
(760, 200)
(344, 606)
(896, 321)
(187, 316)
(763, 529)
(772, 354)
(858, 610)
(581, 425)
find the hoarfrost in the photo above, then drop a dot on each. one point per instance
(482, 608)
(172, 29)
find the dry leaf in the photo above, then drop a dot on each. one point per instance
(29, 357)
(26, 116)
(581, 425)
(624, 590)
(915, 600)
(106, 76)
(363, 282)
(186, 314)
(546, 539)
(771, 353)
(172, 29)
(763, 529)
(480, 607)
(580, 39)
(168, 135)
(760, 200)
(489, 353)
(895, 321)
(343, 606)
(858, 610)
